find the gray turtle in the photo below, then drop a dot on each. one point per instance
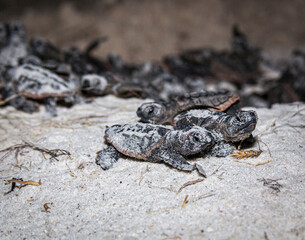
(154, 143)
(98, 85)
(226, 128)
(107, 83)
(33, 82)
(12, 43)
(164, 112)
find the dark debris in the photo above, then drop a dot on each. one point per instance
(272, 184)
(257, 78)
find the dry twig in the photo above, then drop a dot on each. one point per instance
(70, 171)
(189, 183)
(217, 169)
(255, 164)
(185, 201)
(23, 183)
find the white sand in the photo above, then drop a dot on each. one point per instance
(139, 200)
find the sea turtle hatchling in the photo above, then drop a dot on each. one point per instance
(108, 83)
(164, 112)
(33, 82)
(154, 143)
(12, 43)
(226, 128)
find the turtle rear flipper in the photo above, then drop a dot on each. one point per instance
(24, 105)
(107, 157)
(221, 149)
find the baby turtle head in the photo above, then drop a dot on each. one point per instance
(152, 113)
(93, 83)
(17, 30)
(239, 126)
(190, 141)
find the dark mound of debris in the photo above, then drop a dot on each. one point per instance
(37, 72)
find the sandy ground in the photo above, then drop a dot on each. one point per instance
(141, 200)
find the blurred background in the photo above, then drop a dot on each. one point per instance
(142, 30)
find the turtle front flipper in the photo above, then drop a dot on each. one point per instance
(200, 170)
(179, 162)
(24, 105)
(173, 159)
(107, 157)
(10, 97)
(50, 104)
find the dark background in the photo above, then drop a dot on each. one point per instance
(142, 30)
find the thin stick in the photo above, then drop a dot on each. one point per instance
(189, 183)
(255, 164)
(217, 169)
(23, 183)
(185, 201)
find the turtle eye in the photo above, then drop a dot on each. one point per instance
(150, 110)
(38, 44)
(196, 138)
(86, 83)
(16, 28)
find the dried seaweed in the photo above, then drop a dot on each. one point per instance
(54, 153)
(272, 184)
(241, 154)
(13, 186)
(46, 207)
(21, 183)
